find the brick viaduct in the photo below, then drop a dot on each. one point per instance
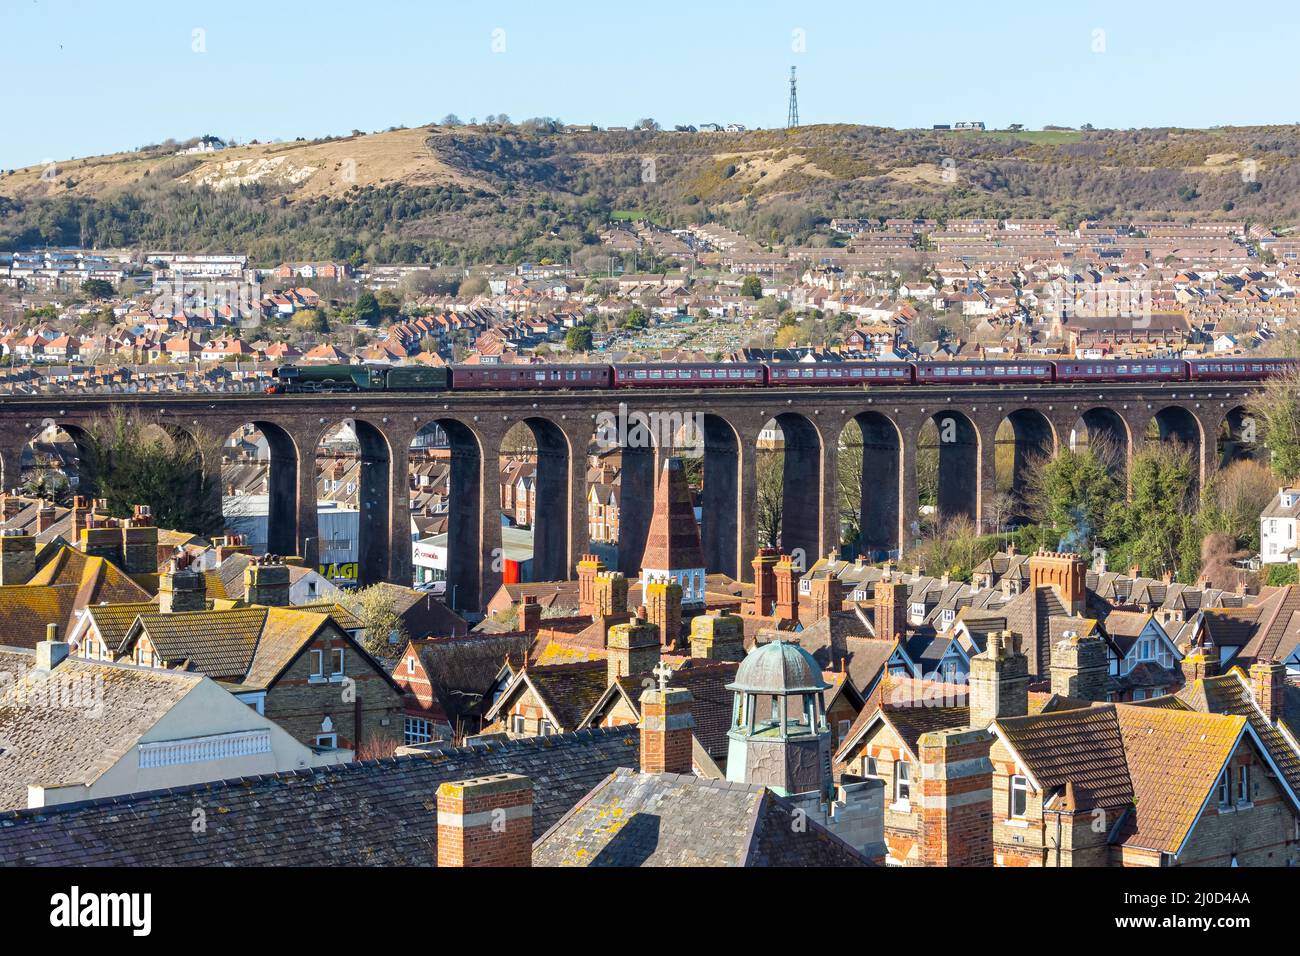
(563, 424)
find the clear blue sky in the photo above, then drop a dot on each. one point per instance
(85, 77)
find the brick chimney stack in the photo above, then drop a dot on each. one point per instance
(1201, 662)
(667, 729)
(266, 582)
(787, 590)
(46, 515)
(181, 587)
(956, 825)
(1066, 572)
(827, 596)
(140, 542)
(610, 591)
(530, 613)
(663, 600)
(891, 608)
(764, 565)
(718, 637)
(1268, 686)
(1080, 667)
(588, 568)
(486, 821)
(12, 505)
(631, 648)
(999, 681)
(17, 556)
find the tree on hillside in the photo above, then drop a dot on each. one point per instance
(752, 286)
(1158, 523)
(97, 288)
(1075, 494)
(578, 338)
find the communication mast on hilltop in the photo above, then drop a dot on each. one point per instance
(793, 120)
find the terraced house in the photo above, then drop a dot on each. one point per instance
(298, 667)
(1207, 777)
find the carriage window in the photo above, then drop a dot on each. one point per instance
(539, 376)
(750, 373)
(656, 373)
(670, 373)
(733, 373)
(999, 370)
(855, 372)
(586, 375)
(706, 373)
(639, 373)
(821, 373)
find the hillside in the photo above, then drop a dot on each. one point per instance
(465, 194)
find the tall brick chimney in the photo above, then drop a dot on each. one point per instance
(663, 601)
(100, 537)
(631, 648)
(12, 505)
(46, 515)
(17, 556)
(764, 564)
(667, 729)
(787, 590)
(486, 821)
(181, 587)
(610, 590)
(1268, 686)
(588, 568)
(140, 542)
(718, 637)
(827, 596)
(266, 582)
(999, 681)
(1066, 572)
(956, 825)
(530, 613)
(891, 608)
(1080, 667)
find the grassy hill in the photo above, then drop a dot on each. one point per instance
(464, 194)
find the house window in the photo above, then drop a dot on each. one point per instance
(873, 771)
(517, 724)
(1224, 790)
(317, 664)
(410, 665)
(417, 730)
(1019, 796)
(545, 728)
(327, 740)
(902, 782)
(843, 729)
(336, 659)
(1243, 785)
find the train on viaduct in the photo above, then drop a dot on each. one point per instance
(563, 424)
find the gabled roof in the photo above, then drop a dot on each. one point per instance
(48, 743)
(635, 819)
(365, 813)
(567, 692)
(1080, 747)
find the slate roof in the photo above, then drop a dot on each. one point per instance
(462, 670)
(48, 742)
(635, 819)
(711, 702)
(568, 691)
(369, 813)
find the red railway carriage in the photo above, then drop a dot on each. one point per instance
(1032, 372)
(1121, 370)
(528, 377)
(690, 375)
(1237, 367)
(841, 373)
